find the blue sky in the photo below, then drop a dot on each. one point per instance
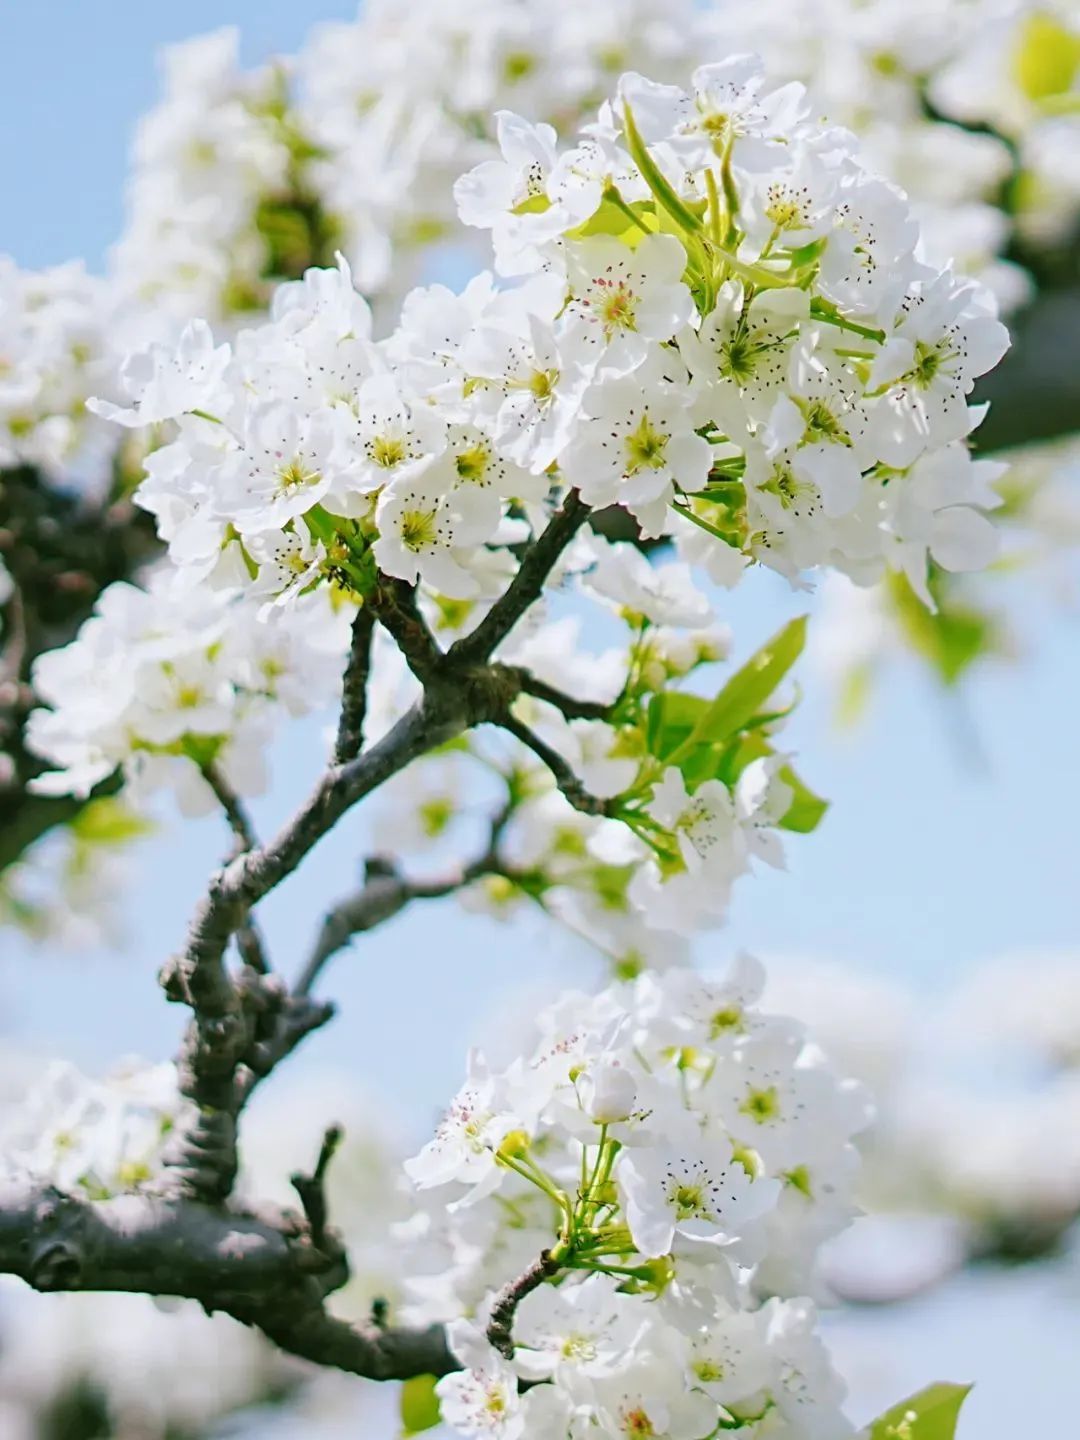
(926, 863)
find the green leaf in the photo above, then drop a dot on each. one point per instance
(749, 689)
(655, 178)
(610, 218)
(419, 1405)
(671, 720)
(930, 1415)
(806, 810)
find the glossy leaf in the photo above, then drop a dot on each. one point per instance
(749, 690)
(930, 1415)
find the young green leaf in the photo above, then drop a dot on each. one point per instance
(671, 719)
(930, 1415)
(419, 1405)
(806, 810)
(749, 689)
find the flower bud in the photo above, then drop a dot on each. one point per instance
(607, 1093)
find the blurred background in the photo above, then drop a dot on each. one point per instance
(930, 931)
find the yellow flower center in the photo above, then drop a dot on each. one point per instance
(645, 447)
(418, 529)
(388, 451)
(761, 1105)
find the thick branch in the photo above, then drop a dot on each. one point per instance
(527, 585)
(267, 1273)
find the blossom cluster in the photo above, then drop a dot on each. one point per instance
(1000, 76)
(708, 314)
(970, 107)
(675, 1157)
(218, 206)
(95, 1137)
(169, 682)
(387, 164)
(859, 631)
(720, 324)
(52, 356)
(952, 1168)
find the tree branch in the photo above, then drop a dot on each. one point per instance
(383, 894)
(269, 1273)
(235, 813)
(241, 1028)
(501, 1321)
(569, 705)
(312, 1188)
(394, 603)
(527, 585)
(568, 783)
(223, 1034)
(248, 940)
(350, 733)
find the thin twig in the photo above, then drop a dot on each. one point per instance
(312, 1188)
(568, 783)
(569, 705)
(383, 894)
(248, 940)
(233, 808)
(501, 1321)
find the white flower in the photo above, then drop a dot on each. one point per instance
(483, 1402)
(943, 340)
(395, 439)
(623, 299)
(586, 1329)
(689, 1184)
(633, 445)
(704, 824)
(685, 1008)
(938, 512)
(665, 594)
(739, 357)
(725, 112)
(650, 1399)
(762, 799)
(528, 396)
(165, 381)
(288, 560)
(285, 466)
(808, 1392)
(729, 1359)
(467, 1140)
(868, 261)
(418, 536)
